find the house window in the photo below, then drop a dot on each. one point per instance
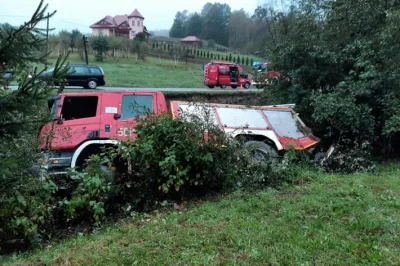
(134, 105)
(133, 33)
(78, 107)
(101, 32)
(133, 23)
(138, 23)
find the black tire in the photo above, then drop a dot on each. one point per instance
(274, 81)
(92, 84)
(247, 85)
(258, 86)
(234, 87)
(262, 152)
(210, 86)
(223, 86)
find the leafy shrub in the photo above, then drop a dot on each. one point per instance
(25, 202)
(90, 194)
(175, 158)
(296, 167)
(357, 159)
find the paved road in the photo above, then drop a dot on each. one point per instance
(160, 89)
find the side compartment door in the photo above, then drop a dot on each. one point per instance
(133, 105)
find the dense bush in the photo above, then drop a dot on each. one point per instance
(345, 82)
(175, 158)
(25, 202)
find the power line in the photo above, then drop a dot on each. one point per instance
(72, 23)
(14, 16)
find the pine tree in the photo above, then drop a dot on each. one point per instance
(230, 57)
(247, 61)
(238, 60)
(157, 44)
(226, 58)
(208, 55)
(22, 113)
(234, 59)
(251, 62)
(243, 60)
(154, 45)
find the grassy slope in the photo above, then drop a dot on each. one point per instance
(147, 74)
(334, 220)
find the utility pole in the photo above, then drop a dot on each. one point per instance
(84, 43)
(47, 38)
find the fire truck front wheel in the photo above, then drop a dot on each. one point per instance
(247, 85)
(210, 86)
(262, 152)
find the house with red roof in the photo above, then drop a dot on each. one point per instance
(120, 25)
(192, 41)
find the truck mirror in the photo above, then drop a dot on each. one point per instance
(117, 116)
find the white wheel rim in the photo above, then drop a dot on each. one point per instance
(92, 84)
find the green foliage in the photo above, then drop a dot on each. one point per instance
(359, 66)
(178, 29)
(88, 198)
(140, 37)
(230, 57)
(101, 46)
(194, 25)
(25, 201)
(247, 61)
(333, 220)
(167, 163)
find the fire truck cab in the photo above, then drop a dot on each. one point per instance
(223, 74)
(266, 74)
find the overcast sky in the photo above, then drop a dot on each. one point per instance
(80, 14)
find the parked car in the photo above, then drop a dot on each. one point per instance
(6, 76)
(87, 76)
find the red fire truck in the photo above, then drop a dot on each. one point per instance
(223, 74)
(85, 122)
(265, 73)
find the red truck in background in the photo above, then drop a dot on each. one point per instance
(85, 122)
(223, 74)
(265, 73)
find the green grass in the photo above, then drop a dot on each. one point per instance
(333, 220)
(147, 74)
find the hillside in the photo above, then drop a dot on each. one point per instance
(333, 220)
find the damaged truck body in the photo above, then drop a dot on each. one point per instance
(85, 122)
